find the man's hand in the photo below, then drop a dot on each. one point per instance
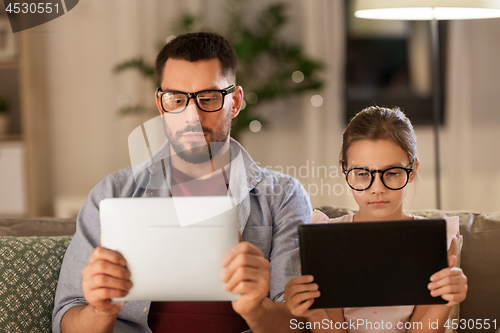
(106, 276)
(449, 283)
(246, 273)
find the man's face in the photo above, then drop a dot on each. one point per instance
(190, 131)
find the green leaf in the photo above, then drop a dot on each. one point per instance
(4, 104)
(138, 64)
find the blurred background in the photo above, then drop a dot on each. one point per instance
(73, 89)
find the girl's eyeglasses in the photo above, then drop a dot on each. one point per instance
(360, 179)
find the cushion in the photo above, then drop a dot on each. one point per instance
(29, 270)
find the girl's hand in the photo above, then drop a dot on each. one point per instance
(449, 283)
(300, 293)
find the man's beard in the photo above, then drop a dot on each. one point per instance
(202, 151)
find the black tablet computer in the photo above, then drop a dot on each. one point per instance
(380, 263)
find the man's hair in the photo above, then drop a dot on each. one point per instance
(199, 46)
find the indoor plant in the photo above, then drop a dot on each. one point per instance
(268, 66)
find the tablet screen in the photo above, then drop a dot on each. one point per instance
(373, 263)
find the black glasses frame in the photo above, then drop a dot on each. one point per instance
(189, 96)
(373, 172)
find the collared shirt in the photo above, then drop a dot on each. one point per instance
(270, 208)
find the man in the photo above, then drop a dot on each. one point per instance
(197, 100)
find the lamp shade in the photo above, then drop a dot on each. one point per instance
(427, 9)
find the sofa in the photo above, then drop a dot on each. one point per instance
(31, 253)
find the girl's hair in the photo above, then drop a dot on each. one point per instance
(378, 123)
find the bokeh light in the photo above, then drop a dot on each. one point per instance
(255, 126)
(251, 98)
(297, 76)
(317, 100)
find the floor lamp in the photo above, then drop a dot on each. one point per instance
(431, 10)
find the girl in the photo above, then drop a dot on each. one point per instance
(378, 158)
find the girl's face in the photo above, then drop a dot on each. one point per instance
(378, 202)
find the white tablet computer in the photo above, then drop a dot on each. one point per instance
(173, 246)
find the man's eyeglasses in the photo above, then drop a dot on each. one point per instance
(206, 100)
(360, 179)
